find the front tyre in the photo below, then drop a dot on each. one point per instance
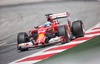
(62, 31)
(22, 38)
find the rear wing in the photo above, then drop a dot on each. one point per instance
(59, 15)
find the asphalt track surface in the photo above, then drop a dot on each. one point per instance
(14, 19)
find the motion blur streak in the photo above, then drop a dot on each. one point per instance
(18, 18)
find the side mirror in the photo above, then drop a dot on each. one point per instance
(36, 27)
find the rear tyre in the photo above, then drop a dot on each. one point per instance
(62, 31)
(78, 28)
(22, 38)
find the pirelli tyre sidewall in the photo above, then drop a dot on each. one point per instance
(22, 38)
(78, 28)
(62, 31)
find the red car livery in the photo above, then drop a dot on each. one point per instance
(53, 33)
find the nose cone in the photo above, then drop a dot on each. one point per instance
(41, 39)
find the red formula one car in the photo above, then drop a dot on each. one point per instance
(51, 32)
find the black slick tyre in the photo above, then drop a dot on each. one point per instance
(62, 31)
(22, 38)
(78, 28)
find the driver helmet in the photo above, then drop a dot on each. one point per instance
(47, 24)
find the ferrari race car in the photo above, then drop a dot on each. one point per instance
(51, 32)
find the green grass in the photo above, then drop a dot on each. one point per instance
(77, 55)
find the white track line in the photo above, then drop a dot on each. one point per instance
(9, 44)
(2, 44)
(42, 52)
(28, 62)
